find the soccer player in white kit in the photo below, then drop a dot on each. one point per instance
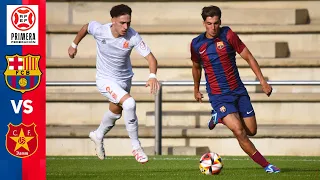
(115, 42)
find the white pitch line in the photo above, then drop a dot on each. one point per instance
(176, 158)
(175, 174)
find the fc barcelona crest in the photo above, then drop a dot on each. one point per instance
(223, 109)
(21, 140)
(220, 45)
(23, 72)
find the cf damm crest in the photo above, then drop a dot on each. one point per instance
(22, 140)
(23, 72)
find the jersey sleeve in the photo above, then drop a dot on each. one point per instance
(194, 55)
(140, 45)
(235, 41)
(93, 27)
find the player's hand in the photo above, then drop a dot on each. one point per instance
(154, 85)
(72, 52)
(198, 96)
(266, 88)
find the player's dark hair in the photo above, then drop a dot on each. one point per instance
(210, 11)
(120, 10)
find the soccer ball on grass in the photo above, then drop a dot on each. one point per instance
(210, 164)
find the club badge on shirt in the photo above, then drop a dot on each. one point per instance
(220, 45)
(126, 44)
(223, 109)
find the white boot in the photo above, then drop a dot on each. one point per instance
(140, 156)
(99, 145)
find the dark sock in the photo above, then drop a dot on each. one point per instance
(259, 159)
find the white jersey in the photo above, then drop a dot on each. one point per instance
(113, 54)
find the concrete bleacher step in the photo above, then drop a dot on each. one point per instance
(190, 119)
(119, 131)
(186, 62)
(192, 29)
(182, 97)
(184, 74)
(183, 89)
(73, 64)
(162, 46)
(142, 90)
(193, 6)
(306, 55)
(178, 150)
(83, 109)
(287, 140)
(168, 13)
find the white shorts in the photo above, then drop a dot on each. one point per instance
(114, 90)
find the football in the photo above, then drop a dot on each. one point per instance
(210, 164)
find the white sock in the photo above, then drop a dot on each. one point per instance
(107, 123)
(131, 121)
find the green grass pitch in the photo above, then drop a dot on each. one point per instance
(177, 167)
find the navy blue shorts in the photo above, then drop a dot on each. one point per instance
(227, 104)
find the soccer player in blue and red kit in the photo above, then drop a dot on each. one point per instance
(215, 50)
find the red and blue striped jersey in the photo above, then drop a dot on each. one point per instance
(217, 56)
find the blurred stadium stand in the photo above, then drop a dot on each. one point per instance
(284, 36)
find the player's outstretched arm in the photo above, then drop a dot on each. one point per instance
(73, 47)
(196, 74)
(246, 55)
(152, 82)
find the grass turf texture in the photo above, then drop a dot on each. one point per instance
(177, 167)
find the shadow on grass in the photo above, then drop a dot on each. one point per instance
(299, 170)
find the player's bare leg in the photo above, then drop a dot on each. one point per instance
(115, 108)
(131, 122)
(107, 123)
(250, 125)
(233, 122)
